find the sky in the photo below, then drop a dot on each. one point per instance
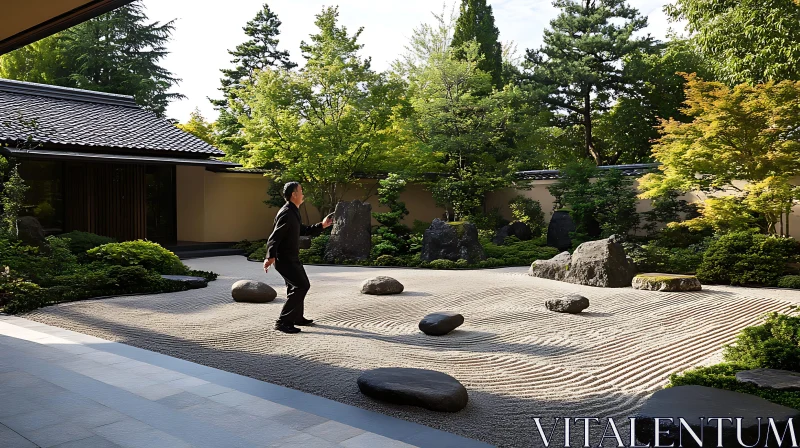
(205, 30)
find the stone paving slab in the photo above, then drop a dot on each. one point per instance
(106, 394)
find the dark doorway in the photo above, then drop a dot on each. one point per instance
(161, 207)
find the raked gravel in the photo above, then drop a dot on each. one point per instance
(517, 359)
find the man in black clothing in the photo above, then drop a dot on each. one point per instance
(283, 250)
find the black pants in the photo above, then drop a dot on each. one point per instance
(297, 286)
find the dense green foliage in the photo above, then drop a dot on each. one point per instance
(775, 344)
(81, 242)
(12, 196)
(599, 208)
(117, 52)
(578, 71)
(747, 258)
(476, 23)
(147, 254)
(747, 133)
(325, 123)
(259, 52)
(32, 277)
(528, 211)
(723, 376)
(789, 281)
(750, 41)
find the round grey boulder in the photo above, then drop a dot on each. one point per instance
(438, 324)
(572, 304)
(428, 389)
(251, 291)
(770, 378)
(381, 285)
(666, 282)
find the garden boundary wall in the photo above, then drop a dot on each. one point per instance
(229, 206)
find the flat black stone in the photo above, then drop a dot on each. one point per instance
(438, 324)
(693, 402)
(572, 304)
(192, 282)
(428, 389)
(770, 378)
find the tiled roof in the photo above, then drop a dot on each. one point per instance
(59, 116)
(637, 169)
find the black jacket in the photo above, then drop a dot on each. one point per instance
(284, 243)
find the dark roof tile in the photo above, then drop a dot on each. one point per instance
(50, 115)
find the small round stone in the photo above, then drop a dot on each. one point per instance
(439, 324)
(381, 285)
(572, 304)
(251, 291)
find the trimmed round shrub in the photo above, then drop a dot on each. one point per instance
(442, 264)
(80, 242)
(149, 255)
(747, 258)
(388, 260)
(789, 281)
(775, 344)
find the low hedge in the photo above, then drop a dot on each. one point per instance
(81, 242)
(789, 281)
(747, 258)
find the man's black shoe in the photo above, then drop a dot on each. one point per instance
(286, 328)
(304, 322)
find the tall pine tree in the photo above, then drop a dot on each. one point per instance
(578, 70)
(257, 53)
(476, 21)
(118, 52)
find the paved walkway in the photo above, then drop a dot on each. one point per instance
(66, 389)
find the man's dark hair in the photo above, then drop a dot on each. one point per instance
(289, 188)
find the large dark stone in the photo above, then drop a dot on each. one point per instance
(30, 231)
(770, 378)
(601, 263)
(381, 285)
(305, 242)
(555, 268)
(452, 241)
(439, 324)
(251, 291)
(517, 229)
(572, 304)
(351, 237)
(693, 402)
(429, 389)
(558, 230)
(190, 281)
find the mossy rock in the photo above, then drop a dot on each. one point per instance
(459, 226)
(666, 282)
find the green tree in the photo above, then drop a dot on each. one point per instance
(750, 41)
(746, 133)
(117, 52)
(476, 22)
(578, 70)
(40, 62)
(627, 131)
(325, 123)
(199, 127)
(12, 198)
(259, 52)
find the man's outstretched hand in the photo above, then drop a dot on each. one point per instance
(267, 263)
(328, 221)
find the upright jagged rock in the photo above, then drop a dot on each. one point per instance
(351, 237)
(452, 241)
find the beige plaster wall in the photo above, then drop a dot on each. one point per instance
(216, 207)
(221, 207)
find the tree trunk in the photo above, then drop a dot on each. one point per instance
(591, 152)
